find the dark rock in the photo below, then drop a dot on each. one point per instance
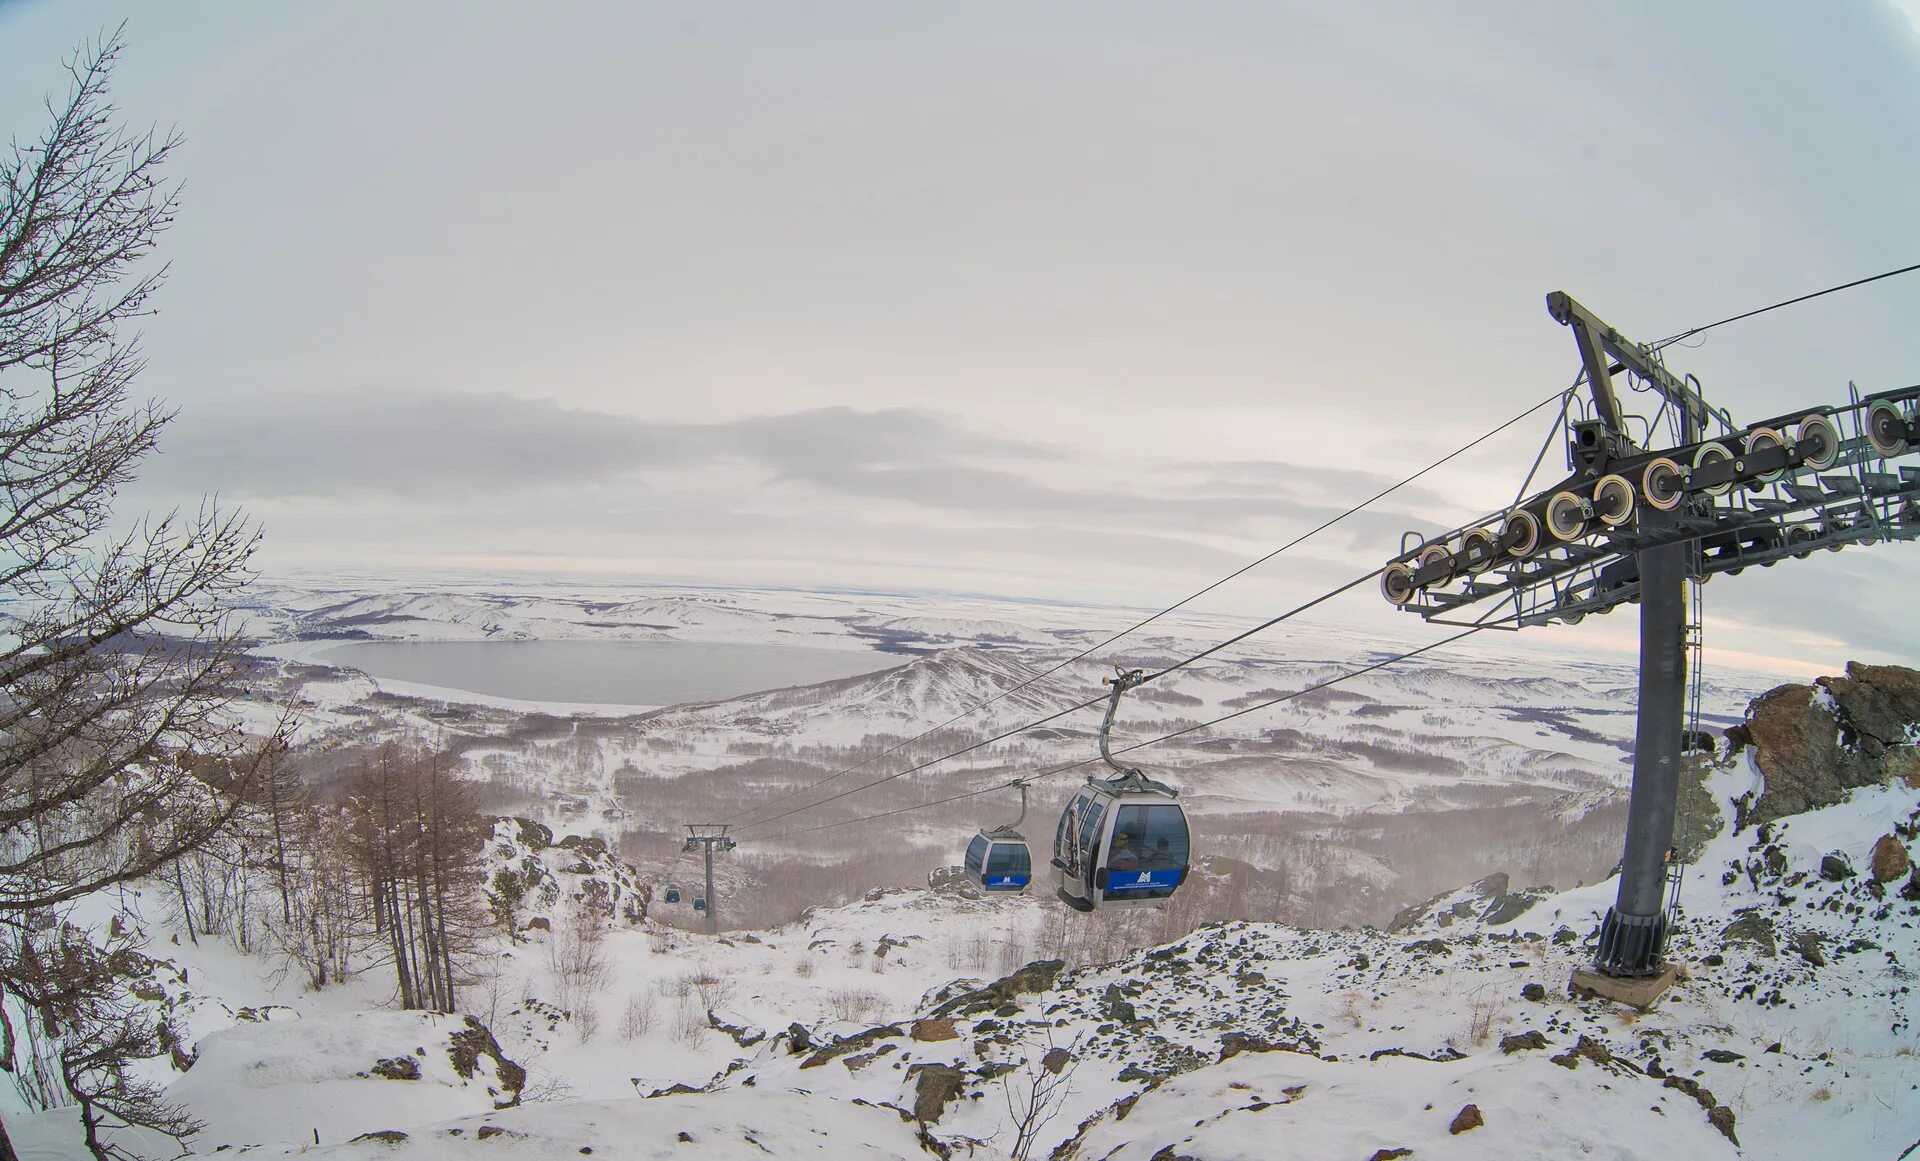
(1429, 947)
(1056, 1060)
(1508, 908)
(1467, 1118)
(1534, 992)
(952, 881)
(1520, 1041)
(929, 1031)
(1890, 859)
(535, 835)
(585, 844)
(1390, 1154)
(384, 1136)
(856, 1063)
(1812, 754)
(1234, 1043)
(1586, 1049)
(467, 1046)
(1722, 1056)
(798, 1039)
(397, 1068)
(1693, 1088)
(1834, 868)
(1721, 1118)
(1439, 1056)
(1752, 927)
(1035, 977)
(854, 1043)
(1807, 943)
(936, 1085)
(741, 1034)
(676, 1090)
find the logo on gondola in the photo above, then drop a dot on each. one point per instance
(1145, 877)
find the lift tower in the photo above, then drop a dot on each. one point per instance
(708, 837)
(1634, 524)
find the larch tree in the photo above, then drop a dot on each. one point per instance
(419, 842)
(120, 745)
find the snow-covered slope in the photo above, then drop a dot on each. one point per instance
(918, 1022)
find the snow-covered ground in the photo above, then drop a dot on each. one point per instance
(840, 1034)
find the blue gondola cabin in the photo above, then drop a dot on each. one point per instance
(999, 862)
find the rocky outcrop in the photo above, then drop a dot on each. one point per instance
(1890, 859)
(1035, 977)
(1814, 743)
(1488, 901)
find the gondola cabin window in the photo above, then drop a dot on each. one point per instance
(976, 856)
(1009, 866)
(1149, 850)
(1092, 810)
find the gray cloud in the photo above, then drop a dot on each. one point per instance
(479, 449)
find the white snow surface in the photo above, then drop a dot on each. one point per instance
(275, 1082)
(1243, 1040)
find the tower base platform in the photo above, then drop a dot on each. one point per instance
(1635, 992)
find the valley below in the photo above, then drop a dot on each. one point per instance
(1342, 804)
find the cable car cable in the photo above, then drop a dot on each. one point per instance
(1322, 527)
(998, 786)
(1178, 665)
(1671, 339)
(1181, 664)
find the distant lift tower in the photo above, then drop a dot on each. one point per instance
(708, 837)
(1631, 524)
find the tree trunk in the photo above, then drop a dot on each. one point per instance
(6, 1144)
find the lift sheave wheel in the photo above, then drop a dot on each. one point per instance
(1712, 453)
(1520, 532)
(1396, 584)
(1436, 553)
(1481, 547)
(1820, 432)
(1662, 484)
(1764, 439)
(1613, 500)
(1567, 516)
(1886, 430)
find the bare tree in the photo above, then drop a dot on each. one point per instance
(419, 844)
(119, 669)
(1036, 1091)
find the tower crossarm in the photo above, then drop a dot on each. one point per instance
(1830, 475)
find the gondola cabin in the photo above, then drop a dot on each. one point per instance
(673, 893)
(699, 904)
(998, 861)
(1121, 842)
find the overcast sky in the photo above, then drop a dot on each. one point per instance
(1082, 302)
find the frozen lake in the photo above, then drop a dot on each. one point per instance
(605, 672)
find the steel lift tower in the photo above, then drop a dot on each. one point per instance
(708, 837)
(1631, 524)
